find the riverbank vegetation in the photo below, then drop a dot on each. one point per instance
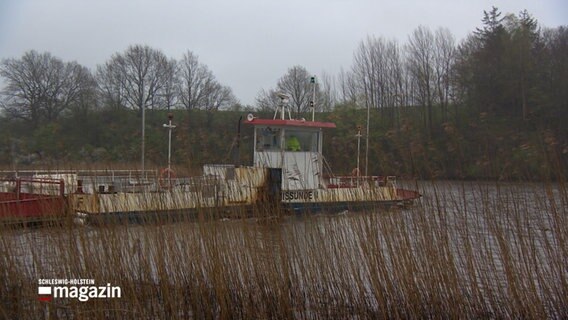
(479, 146)
(466, 250)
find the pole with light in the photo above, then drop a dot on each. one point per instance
(313, 101)
(170, 127)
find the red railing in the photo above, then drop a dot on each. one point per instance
(44, 197)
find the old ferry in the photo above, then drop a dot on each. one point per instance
(288, 172)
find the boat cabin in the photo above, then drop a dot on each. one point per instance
(291, 147)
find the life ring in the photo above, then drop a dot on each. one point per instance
(165, 178)
(355, 172)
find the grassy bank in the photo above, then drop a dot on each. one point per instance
(468, 145)
(468, 250)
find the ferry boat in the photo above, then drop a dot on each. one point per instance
(288, 172)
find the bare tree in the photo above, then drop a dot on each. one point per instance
(327, 96)
(199, 89)
(110, 89)
(267, 100)
(347, 87)
(364, 69)
(139, 78)
(421, 63)
(41, 87)
(194, 78)
(169, 95)
(219, 97)
(298, 84)
(377, 71)
(444, 57)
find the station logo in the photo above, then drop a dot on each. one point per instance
(80, 289)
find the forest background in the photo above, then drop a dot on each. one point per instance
(493, 106)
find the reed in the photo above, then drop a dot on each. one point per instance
(465, 250)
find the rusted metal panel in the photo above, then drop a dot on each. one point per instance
(199, 193)
(33, 207)
(404, 194)
(47, 201)
(340, 195)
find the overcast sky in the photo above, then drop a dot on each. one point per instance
(248, 44)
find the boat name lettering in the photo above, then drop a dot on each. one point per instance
(299, 195)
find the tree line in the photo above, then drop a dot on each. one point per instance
(500, 92)
(41, 88)
(510, 66)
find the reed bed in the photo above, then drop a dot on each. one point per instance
(465, 250)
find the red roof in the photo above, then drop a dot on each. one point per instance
(290, 123)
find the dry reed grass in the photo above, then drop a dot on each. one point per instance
(471, 250)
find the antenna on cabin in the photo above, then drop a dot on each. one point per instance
(282, 106)
(313, 101)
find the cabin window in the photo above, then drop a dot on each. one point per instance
(301, 141)
(267, 139)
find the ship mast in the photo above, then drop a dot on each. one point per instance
(283, 106)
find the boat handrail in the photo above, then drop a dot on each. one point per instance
(45, 186)
(350, 181)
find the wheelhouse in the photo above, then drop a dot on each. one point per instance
(292, 146)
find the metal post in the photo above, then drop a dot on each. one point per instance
(13, 154)
(170, 128)
(143, 135)
(61, 187)
(367, 140)
(284, 99)
(18, 188)
(358, 135)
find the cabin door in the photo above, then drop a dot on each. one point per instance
(274, 185)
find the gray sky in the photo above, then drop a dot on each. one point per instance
(248, 44)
